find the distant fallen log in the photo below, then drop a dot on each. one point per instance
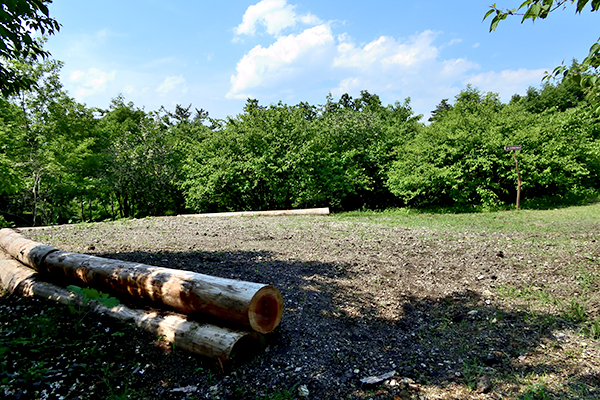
(306, 211)
(256, 305)
(208, 340)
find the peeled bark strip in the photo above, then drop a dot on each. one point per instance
(306, 211)
(246, 303)
(205, 339)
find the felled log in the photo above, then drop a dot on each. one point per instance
(256, 305)
(27, 251)
(204, 339)
(305, 211)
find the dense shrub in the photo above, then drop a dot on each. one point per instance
(459, 159)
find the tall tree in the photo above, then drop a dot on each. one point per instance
(562, 96)
(357, 146)
(140, 165)
(440, 110)
(19, 21)
(260, 160)
(52, 145)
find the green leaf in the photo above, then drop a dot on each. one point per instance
(525, 3)
(494, 23)
(581, 5)
(546, 8)
(108, 301)
(487, 14)
(532, 12)
(77, 290)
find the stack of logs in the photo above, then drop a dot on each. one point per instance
(26, 267)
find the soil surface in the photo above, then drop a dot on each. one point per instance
(445, 314)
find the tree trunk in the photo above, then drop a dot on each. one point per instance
(208, 340)
(306, 211)
(246, 303)
(26, 251)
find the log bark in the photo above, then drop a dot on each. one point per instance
(306, 211)
(256, 305)
(205, 339)
(27, 251)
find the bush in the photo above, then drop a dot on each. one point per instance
(460, 160)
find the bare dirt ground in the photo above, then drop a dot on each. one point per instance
(447, 314)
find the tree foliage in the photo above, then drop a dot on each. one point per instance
(140, 161)
(19, 20)
(536, 9)
(280, 156)
(61, 161)
(459, 159)
(566, 94)
(54, 145)
(584, 74)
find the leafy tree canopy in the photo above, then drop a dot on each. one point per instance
(19, 21)
(562, 96)
(585, 73)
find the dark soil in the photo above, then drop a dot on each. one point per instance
(447, 315)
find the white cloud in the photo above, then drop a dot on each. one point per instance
(457, 67)
(310, 19)
(282, 59)
(90, 82)
(171, 83)
(132, 90)
(507, 82)
(274, 15)
(317, 60)
(386, 51)
(397, 68)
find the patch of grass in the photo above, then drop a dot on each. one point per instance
(115, 392)
(285, 394)
(528, 293)
(509, 291)
(586, 278)
(575, 312)
(535, 392)
(471, 371)
(592, 330)
(569, 220)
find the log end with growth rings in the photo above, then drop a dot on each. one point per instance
(265, 309)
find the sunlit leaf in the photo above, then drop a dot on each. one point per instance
(533, 11)
(487, 14)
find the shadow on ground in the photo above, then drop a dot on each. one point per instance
(331, 337)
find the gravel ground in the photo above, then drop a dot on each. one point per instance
(439, 314)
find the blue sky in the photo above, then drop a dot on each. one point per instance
(215, 54)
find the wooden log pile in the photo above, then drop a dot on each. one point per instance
(253, 307)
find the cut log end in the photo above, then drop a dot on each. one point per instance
(265, 309)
